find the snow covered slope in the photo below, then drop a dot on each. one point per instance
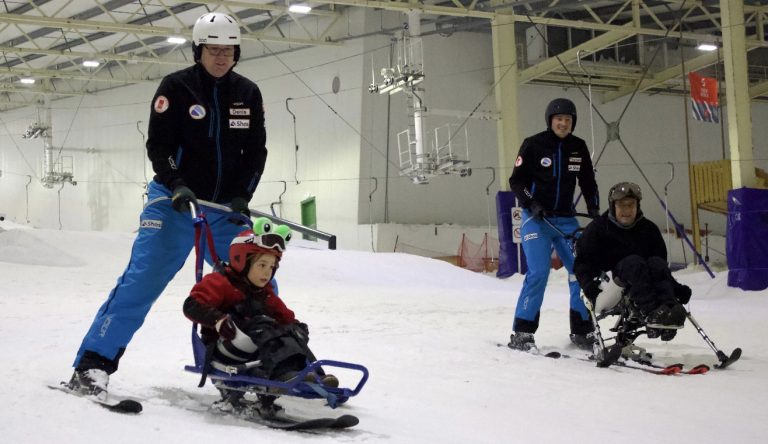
(427, 331)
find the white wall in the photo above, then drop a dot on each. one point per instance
(343, 142)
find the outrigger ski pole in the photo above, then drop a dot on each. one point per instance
(604, 357)
(724, 359)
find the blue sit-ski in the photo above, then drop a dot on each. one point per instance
(235, 377)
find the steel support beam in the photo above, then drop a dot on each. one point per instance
(566, 57)
(737, 94)
(506, 80)
(666, 75)
(759, 89)
(93, 25)
(88, 55)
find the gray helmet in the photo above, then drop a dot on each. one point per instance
(560, 106)
(622, 190)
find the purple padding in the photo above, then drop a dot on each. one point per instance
(505, 201)
(746, 242)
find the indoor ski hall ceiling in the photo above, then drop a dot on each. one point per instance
(49, 40)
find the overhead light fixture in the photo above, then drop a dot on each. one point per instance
(706, 47)
(300, 9)
(91, 63)
(176, 40)
(27, 80)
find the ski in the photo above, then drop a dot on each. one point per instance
(673, 369)
(273, 416)
(288, 423)
(127, 406)
(699, 369)
(534, 351)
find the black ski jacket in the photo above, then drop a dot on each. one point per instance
(208, 134)
(546, 171)
(603, 244)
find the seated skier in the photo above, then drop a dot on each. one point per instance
(245, 321)
(629, 246)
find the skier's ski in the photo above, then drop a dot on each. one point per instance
(674, 369)
(274, 416)
(288, 423)
(534, 351)
(114, 405)
(695, 370)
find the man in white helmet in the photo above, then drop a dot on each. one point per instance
(206, 140)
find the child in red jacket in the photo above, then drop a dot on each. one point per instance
(239, 310)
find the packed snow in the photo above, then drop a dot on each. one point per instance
(427, 331)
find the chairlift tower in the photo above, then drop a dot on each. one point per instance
(415, 161)
(56, 168)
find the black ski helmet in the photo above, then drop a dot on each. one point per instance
(560, 106)
(622, 190)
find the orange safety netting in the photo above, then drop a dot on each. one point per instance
(479, 257)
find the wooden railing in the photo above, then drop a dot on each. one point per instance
(711, 183)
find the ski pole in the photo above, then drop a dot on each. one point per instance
(724, 359)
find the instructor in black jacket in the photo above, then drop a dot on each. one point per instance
(544, 179)
(206, 140)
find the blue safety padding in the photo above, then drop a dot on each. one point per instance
(508, 249)
(746, 241)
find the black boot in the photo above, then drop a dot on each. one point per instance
(659, 317)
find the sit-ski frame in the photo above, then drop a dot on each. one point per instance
(229, 376)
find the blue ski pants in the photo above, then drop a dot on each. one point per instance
(163, 243)
(538, 241)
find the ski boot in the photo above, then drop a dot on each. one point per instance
(584, 342)
(522, 341)
(90, 382)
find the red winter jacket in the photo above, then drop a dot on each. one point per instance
(218, 294)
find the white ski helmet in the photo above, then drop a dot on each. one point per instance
(215, 28)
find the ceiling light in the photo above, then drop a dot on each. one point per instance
(91, 63)
(300, 9)
(176, 40)
(706, 47)
(27, 80)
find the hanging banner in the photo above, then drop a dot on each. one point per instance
(704, 102)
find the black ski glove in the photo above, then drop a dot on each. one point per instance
(593, 213)
(181, 198)
(536, 210)
(240, 205)
(592, 290)
(226, 328)
(682, 293)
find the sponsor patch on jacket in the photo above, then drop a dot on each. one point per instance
(161, 104)
(196, 111)
(240, 111)
(546, 162)
(156, 224)
(530, 236)
(574, 167)
(574, 159)
(240, 123)
(519, 161)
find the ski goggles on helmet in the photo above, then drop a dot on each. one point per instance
(625, 189)
(270, 241)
